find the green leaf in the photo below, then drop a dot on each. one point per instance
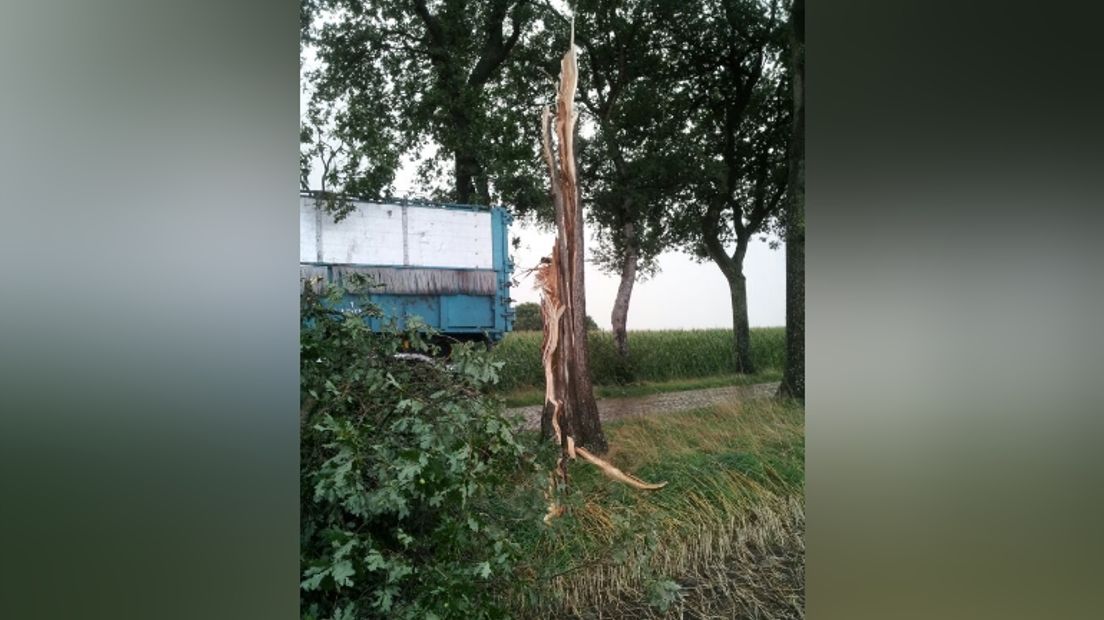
(341, 573)
(375, 561)
(404, 538)
(483, 569)
(315, 575)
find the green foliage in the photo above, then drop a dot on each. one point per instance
(351, 160)
(662, 593)
(528, 318)
(660, 355)
(736, 98)
(460, 76)
(400, 461)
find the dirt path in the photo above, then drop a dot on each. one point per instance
(616, 408)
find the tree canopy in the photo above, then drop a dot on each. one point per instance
(632, 162)
(448, 81)
(736, 95)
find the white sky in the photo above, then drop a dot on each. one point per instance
(684, 294)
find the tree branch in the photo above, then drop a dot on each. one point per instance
(433, 25)
(712, 240)
(437, 43)
(496, 49)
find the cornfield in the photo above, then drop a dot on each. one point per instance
(660, 355)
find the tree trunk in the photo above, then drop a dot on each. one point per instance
(741, 331)
(471, 182)
(793, 375)
(588, 427)
(465, 168)
(579, 415)
(620, 315)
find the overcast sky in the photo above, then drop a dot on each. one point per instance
(684, 294)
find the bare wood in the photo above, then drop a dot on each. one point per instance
(617, 474)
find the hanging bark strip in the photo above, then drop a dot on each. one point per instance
(559, 279)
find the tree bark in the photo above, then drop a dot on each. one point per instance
(793, 375)
(741, 330)
(620, 315)
(465, 180)
(471, 182)
(733, 269)
(588, 427)
(579, 417)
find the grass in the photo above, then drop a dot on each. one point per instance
(728, 527)
(534, 395)
(654, 356)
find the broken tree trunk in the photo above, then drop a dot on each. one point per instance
(580, 414)
(570, 413)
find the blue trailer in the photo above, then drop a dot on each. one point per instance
(445, 263)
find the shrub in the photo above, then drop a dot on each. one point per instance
(399, 461)
(527, 318)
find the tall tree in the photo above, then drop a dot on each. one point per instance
(793, 375)
(437, 79)
(737, 109)
(632, 162)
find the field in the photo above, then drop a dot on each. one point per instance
(656, 357)
(724, 538)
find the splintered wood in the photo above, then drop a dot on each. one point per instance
(554, 277)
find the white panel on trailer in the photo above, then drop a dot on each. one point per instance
(370, 235)
(449, 238)
(373, 234)
(308, 232)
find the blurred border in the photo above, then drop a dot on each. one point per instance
(148, 313)
(953, 293)
(148, 447)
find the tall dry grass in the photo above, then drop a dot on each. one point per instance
(728, 528)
